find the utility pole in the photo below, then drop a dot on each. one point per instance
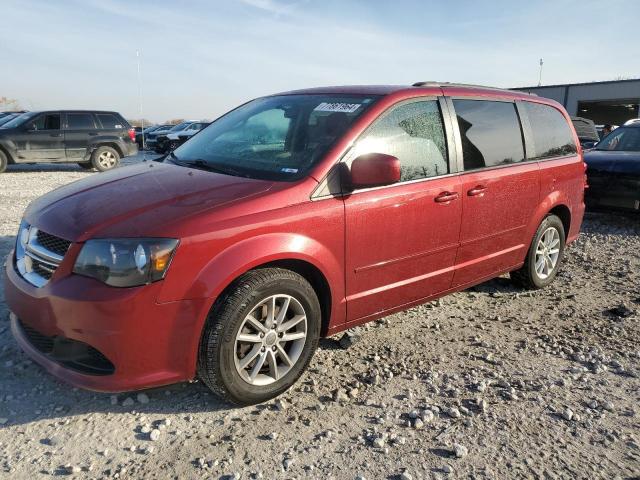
(540, 73)
(140, 100)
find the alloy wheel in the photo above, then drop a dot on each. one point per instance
(107, 160)
(270, 340)
(547, 253)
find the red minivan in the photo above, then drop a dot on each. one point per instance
(292, 217)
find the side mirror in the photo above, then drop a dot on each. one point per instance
(374, 170)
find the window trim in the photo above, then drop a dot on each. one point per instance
(526, 141)
(340, 165)
(91, 114)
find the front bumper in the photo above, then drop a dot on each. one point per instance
(148, 343)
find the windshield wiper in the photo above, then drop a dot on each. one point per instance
(204, 165)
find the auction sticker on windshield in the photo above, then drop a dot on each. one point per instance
(337, 107)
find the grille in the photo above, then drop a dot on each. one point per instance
(43, 270)
(55, 244)
(73, 354)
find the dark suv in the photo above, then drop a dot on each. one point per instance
(93, 139)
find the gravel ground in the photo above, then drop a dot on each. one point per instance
(492, 382)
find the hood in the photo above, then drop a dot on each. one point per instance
(144, 197)
(592, 157)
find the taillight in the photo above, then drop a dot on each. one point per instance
(132, 134)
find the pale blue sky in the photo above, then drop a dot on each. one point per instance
(201, 58)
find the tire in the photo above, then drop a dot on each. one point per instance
(105, 158)
(528, 276)
(222, 351)
(4, 161)
(86, 166)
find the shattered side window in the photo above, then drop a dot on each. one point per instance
(412, 132)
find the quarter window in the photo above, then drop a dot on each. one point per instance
(490, 133)
(50, 121)
(109, 121)
(552, 136)
(80, 121)
(413, 133)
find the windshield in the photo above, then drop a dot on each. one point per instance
(180, 126)
(19, 120)
(622, 139)
(8, 118)
(274, 138)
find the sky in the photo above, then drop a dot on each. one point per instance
(200, 58)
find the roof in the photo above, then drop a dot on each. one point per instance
(576, 84)
(389, 89)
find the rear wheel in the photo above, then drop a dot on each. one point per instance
(3, 161)
(260, 336)
(105, 158)
(544, 257)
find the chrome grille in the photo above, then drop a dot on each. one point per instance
(43, 253)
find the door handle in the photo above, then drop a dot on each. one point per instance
(446, 197)
(55, 134)
(476, 191)
(93, 134)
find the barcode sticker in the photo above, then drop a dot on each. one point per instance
(337, 107)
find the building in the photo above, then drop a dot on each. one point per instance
(612, 102)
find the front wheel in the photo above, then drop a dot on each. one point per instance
(260, 336)
(544, 257)
(3, 161)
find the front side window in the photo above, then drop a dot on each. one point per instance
(490, 133)
(277, 138)
(623, 139)
(80, 121)
(49, 121)
(413, 133)
(552, 136)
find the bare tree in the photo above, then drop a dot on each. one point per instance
(9, 104)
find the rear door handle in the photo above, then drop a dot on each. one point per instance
(446, 197)
(477, 190)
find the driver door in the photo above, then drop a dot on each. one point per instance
(43, 139)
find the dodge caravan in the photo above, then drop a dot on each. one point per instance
(292, 217)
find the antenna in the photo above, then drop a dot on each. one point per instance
(540, 73)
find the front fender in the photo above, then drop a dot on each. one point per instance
(212, 278)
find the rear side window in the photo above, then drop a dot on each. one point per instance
(109, 121)
(490, 133)
(412, 132)
(49, 121)
(552, 136)
(80, 121)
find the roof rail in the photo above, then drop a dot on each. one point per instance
(453, 84)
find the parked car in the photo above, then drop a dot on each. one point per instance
(147, 131)
(586, 130)
(613, 170)
(162, 143)
(152, 138)
(12, 112)
(292, 217)
(176, 139)
(93, 139)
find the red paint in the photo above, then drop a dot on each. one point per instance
(379, 249)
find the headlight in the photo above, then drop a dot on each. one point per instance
(21, 240)
(126, 262)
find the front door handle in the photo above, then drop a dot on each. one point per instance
(476, 191)
(446, 197)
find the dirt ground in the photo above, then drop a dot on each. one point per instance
(493, 382)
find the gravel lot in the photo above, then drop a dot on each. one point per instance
(493, 382)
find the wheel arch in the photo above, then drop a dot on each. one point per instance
(5, 150)
(564, 214)
(109, 144)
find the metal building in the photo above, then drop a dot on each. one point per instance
(612, 102)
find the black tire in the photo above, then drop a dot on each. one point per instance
(86, 166)
(217, 354)
(98, 161)
(527, 276)
(4, 161)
